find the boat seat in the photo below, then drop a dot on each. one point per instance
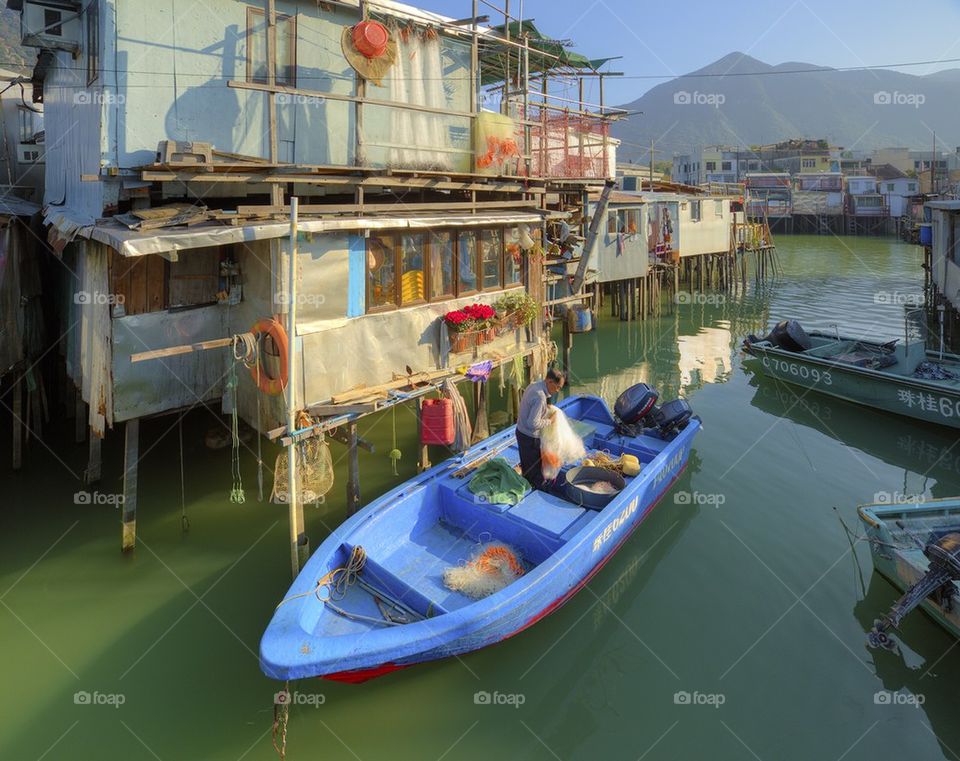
(419, 562)
(546, 513)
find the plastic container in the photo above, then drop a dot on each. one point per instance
(926, 234)
(579, 319)
(577, 478)
(437, 425)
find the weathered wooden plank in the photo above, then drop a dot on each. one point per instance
(388, 207)
(136, 299)
(325, 410)
(156, 283)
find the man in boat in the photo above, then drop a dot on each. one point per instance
(535, 412)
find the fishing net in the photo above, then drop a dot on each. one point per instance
(491, 568)
(559, 445)
(314, 472)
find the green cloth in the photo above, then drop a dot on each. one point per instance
(498, 483)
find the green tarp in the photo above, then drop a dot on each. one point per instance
(498, 483)
(545, 54)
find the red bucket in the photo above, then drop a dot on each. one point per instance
(437, 422)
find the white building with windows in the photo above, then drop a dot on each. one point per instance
(897, 193)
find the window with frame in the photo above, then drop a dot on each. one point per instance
(51, 22)
(491, 259)
(711, 166)
(30, 123)
(612, 228)
(467, 269)
(442, 260)
(695, 211)
(413, 281)
(809, 163)
(726, 166)
(286, 52)
(718, 208)
(93, 41)
(381, 272)
(408, 269)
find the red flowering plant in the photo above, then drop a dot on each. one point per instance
(458, 321)
(482, 315)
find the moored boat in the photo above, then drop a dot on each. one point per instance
(905, 379)
(372, 598)
(916, 546)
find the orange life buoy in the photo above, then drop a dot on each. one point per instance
(268, 385)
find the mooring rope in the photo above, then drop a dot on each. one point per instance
(281, 714)
(337, 581)
(246, 350)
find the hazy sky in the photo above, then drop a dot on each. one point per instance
(667, 37)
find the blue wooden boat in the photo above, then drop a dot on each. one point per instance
(397, 612)
(916, 546)
(906, 379)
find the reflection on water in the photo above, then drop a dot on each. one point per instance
(705, 357)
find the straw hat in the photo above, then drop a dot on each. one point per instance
(369, 49)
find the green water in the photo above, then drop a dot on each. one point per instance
(745, 595)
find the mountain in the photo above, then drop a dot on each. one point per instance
(739, 100)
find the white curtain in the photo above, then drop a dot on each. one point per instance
(418, 140)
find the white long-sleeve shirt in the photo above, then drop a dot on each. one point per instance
(532, 416)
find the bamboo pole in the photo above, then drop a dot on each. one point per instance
(295, 509)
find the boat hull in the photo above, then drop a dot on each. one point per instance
(904, 567)
(363, 675)
(896, 394)
(294, 648)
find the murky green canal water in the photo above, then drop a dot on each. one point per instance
(740, 590)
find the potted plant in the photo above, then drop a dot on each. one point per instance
(517, 309)
(483, 317)
(462, 330)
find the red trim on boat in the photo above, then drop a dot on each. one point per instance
(362, 675)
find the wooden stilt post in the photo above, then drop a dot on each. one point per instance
(18, 424)
(353, 469)
(131, 463)
(94, 468)
(423, 458)
(567, 343)
(80, 423)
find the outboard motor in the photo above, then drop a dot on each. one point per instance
(637, 412)
(938, 581)
(788, 335)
